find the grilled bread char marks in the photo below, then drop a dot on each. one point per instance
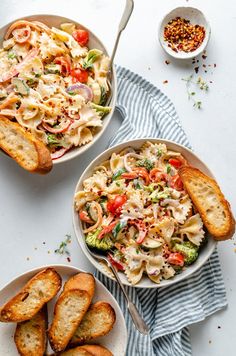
(70, 309)
(30, 335)
(98, 321)
(87, 350)
(29, 152)
(32, 297)
(210, 202)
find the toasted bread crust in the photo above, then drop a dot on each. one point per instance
(78, 351)
(69, 311)
(30, 335)
(82, 281)
(29, 152)
(97, 350)
(38, 291)
(210, 202)
(98, 321)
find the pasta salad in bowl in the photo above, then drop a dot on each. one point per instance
(54, 83)
(130, 203)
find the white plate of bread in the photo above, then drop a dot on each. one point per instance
(60, 310)
(207, 198)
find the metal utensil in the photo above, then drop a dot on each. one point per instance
(123, 23)
(139, 323)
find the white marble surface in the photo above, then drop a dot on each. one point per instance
(35, 212)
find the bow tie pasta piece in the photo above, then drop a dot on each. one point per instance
(193, 229)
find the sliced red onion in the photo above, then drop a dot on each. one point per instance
(82, 90)
(64, 127)
(131, 154)
(59, 153)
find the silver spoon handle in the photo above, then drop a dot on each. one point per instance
(139, 323)
(123, 22)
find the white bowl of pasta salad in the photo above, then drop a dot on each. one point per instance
(130, 204)
(54, 82)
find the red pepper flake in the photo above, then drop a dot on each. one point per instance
(204, 56)
(204, 66)
(214, 65)
(181, 35)
(196, 69)
(167, 62)
(165, 82)
(68, 259)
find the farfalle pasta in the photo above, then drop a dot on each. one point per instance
(148, 224)
(52, 84)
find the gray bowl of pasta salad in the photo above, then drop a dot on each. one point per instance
(54, 82)
(130, 204)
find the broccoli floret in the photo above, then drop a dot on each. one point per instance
(101, 110)
(188, 250)
(146, 163)
(92, 241)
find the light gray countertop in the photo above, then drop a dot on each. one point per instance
(35, 211)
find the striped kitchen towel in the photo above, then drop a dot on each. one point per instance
(147, 112)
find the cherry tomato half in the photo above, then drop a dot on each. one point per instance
(176, 258)
(65, 64)
(176, 182)
(81, 36)
(115, 205)
(80, 75)
(175, 162)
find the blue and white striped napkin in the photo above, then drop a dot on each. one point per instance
(168, 311)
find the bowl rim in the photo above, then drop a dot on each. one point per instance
(78, 230)
(185, 55)
(77, 151)
(74, 269)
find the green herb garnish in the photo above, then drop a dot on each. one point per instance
(168, 168)
(200, 83)
(137, 184)
(118, 173)
(118, 228)
(146, 163)
(11, 55)
(63, 249)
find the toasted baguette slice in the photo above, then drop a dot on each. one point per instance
(87, 350)
(98, 321)
(29, 152)
(32, 297)
(210, 202)
(78, 351)
(69, 310)
(30, 335)
(82, 281)
(97, 350)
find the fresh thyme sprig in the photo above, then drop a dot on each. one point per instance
(63, 247)
(200, 83)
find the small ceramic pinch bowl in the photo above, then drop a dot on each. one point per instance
(196, 17)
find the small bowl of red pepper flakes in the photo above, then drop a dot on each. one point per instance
(184, 32)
